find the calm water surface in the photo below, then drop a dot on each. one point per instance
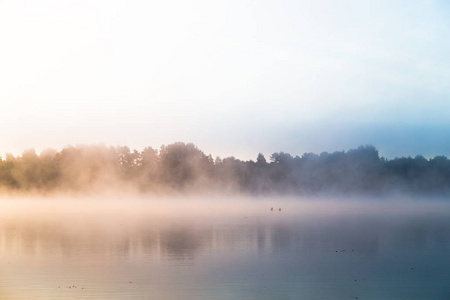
(141, 254)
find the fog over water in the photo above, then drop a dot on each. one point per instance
(224, 150)
(224, 249)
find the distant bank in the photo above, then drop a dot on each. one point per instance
(181, 167)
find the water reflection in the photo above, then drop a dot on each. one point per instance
(184, 239)
(255, 257)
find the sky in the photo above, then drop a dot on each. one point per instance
(233, 77)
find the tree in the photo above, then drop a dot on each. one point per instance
(261, 160)
(184, 163)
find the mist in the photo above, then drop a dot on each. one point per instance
(128, 248)
(181, 169)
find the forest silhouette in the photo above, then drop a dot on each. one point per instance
(184, 168)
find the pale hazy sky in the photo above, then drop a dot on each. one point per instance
(233, 77)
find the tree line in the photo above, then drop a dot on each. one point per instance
(181, 167)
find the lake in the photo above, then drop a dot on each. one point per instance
(220, 250)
